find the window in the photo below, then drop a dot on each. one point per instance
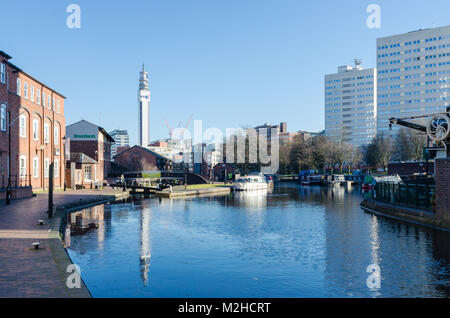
(43, 98)
(48, 102)
(56, 135)
(32, 93)
(25, 90)
(23, 166)
(38, 96)
(23, 126)
(88, 173)
(58, 106)
(53, 104)
(35, 167)
(56, 168)
(3, 117)
(46, 133)
(35, 129)
(3, 73)
(46, 167)
(19, 87)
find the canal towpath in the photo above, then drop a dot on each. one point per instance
(27, 272)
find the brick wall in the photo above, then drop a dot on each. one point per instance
(443, 188)
(137, 159)
(410, 168)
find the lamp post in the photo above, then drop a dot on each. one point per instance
(64, 142)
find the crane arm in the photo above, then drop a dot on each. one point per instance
(401, 122)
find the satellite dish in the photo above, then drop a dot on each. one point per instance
(438, 127)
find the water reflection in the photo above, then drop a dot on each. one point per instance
(289, 242)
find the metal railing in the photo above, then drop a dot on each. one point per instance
(413, 195)
(16, 181)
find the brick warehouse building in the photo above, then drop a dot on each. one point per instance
(32, 130)
(139, 159)
(94, 142)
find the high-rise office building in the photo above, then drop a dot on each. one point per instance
(413, 74)
(121, 139)
(351, 104)
(143, 109)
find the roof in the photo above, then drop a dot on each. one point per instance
(18, 69)
(101, 129)
(157, 155)
(79, 157)
(5, 55)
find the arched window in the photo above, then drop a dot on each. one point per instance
(3, 117)
(46, 133)
(56, 168)
(35, 167)
(23, 126)
(23, 166)
(35, 129)
(56, 135)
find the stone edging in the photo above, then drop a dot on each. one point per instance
(58, 248)
(424, 218)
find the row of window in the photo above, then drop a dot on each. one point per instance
(35, 170)
(23, 130)
(431, 39)
(34, 94)
(414, 59)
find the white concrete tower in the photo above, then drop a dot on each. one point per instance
(144, 109)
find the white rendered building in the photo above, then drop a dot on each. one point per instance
(413, 75)
(144, 109)
(351, 104)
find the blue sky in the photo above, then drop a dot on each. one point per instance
(229, 63)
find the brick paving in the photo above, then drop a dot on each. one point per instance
(24, 271)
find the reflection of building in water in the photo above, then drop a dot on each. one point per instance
(81, 222)
(145, 254)
(348, 249)
(87, 219)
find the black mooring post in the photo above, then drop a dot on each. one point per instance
(50, 191)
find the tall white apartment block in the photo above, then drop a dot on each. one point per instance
(143, 109)
(413, 74)
(121, 139)
(351, 104)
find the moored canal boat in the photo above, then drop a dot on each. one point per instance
(251, 182)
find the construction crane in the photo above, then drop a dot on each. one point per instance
(179, 125)
(169, 128)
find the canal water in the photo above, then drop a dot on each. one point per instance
(291, 242)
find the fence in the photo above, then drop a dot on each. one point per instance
(414, 195)
(16, 181)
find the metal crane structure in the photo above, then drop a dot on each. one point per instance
(171, 130)
(437, 130)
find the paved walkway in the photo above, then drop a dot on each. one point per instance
(24, 271)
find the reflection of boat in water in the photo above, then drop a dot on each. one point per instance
(255, 199)
(252, 182)
(313, 180)
(335, 179)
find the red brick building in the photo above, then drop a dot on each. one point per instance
(139, 159)
(93, 141)
(225, 171)
(32, 131)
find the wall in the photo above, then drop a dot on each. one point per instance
(443, 189)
